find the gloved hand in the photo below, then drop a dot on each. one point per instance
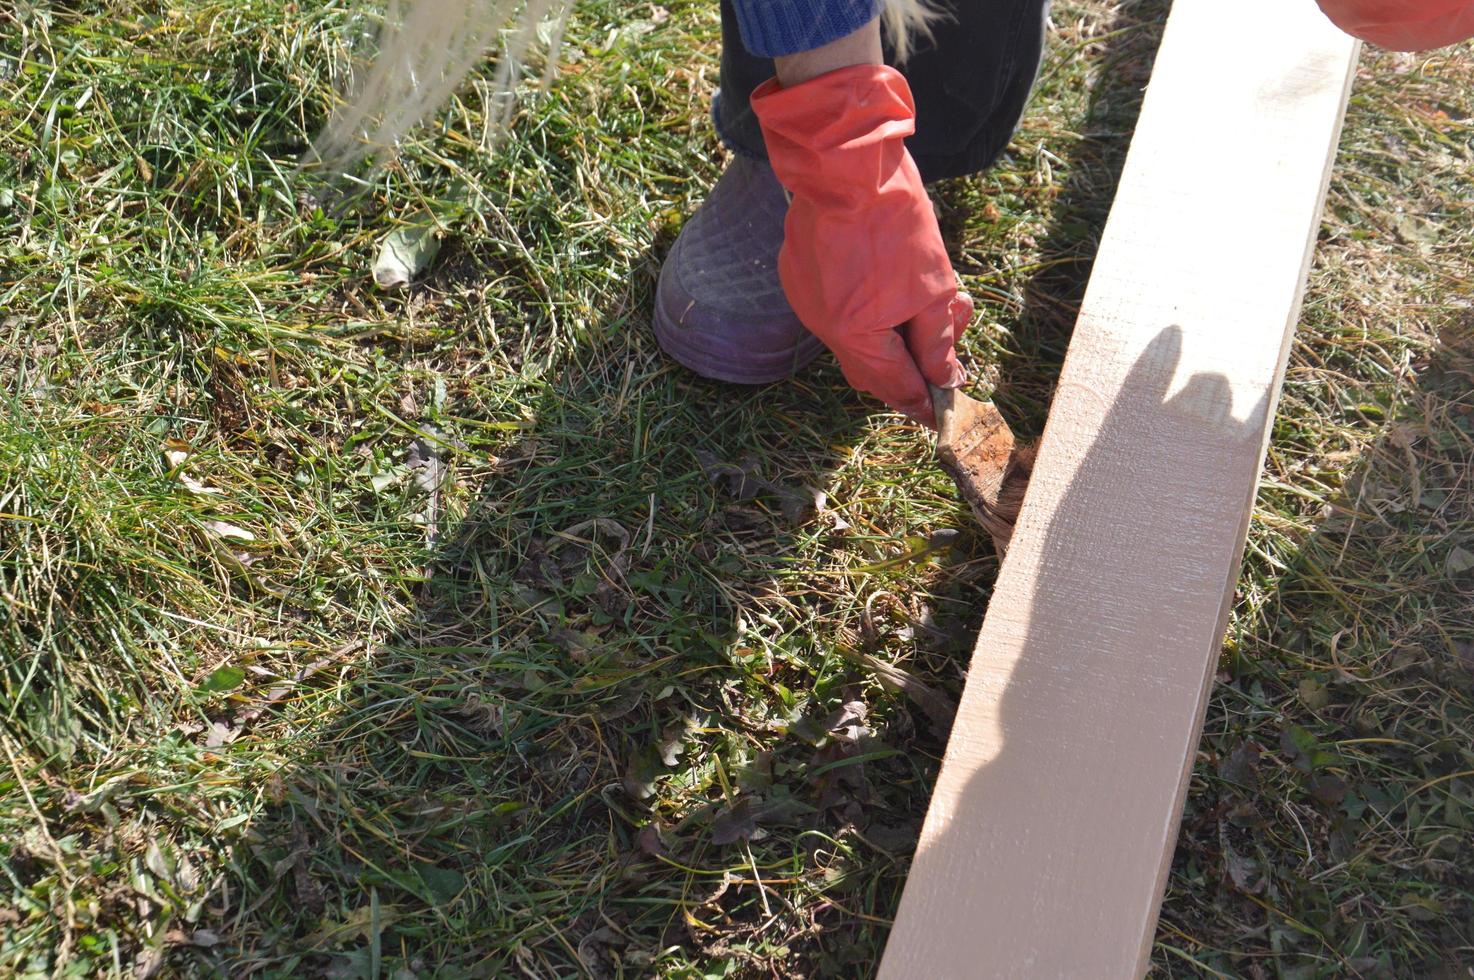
(1404, 25)
(862, 261)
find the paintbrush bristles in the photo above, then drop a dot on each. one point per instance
(426, 48)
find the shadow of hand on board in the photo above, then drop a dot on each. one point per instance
(1084, 699)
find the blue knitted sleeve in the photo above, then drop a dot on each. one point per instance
(771, 28)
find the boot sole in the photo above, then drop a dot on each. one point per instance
(722, 359)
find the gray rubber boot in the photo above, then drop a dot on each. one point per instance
(719, 308)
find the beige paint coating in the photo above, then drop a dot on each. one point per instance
(1050, 833)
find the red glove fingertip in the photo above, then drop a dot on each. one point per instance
(863, 263)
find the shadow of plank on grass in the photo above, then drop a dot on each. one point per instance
(629, 726)
(625, 696)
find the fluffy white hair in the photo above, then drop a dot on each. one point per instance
(426, 48)
(906, 20)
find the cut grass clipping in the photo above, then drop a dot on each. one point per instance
(449, 631)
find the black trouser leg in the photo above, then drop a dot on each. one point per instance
(970, 82)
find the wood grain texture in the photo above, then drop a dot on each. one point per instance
(1046, 848)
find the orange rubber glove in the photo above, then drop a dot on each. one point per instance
(1404, 25)
(862, 261)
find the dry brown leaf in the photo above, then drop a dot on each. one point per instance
(195, 486)
(175, 451)
(938, 707)
(222, 529)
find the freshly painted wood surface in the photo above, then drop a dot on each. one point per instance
(1047, 845)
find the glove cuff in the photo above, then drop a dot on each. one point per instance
(839, 136)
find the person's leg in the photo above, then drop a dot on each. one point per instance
(719, 307)
(742, 72)
(971, 82)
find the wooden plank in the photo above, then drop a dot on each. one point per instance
(1046, 849)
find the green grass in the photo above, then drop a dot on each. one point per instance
(503, 681)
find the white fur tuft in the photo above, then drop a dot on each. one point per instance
(906, 20)
(426, 48)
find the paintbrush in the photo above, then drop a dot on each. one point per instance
(977, 449)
